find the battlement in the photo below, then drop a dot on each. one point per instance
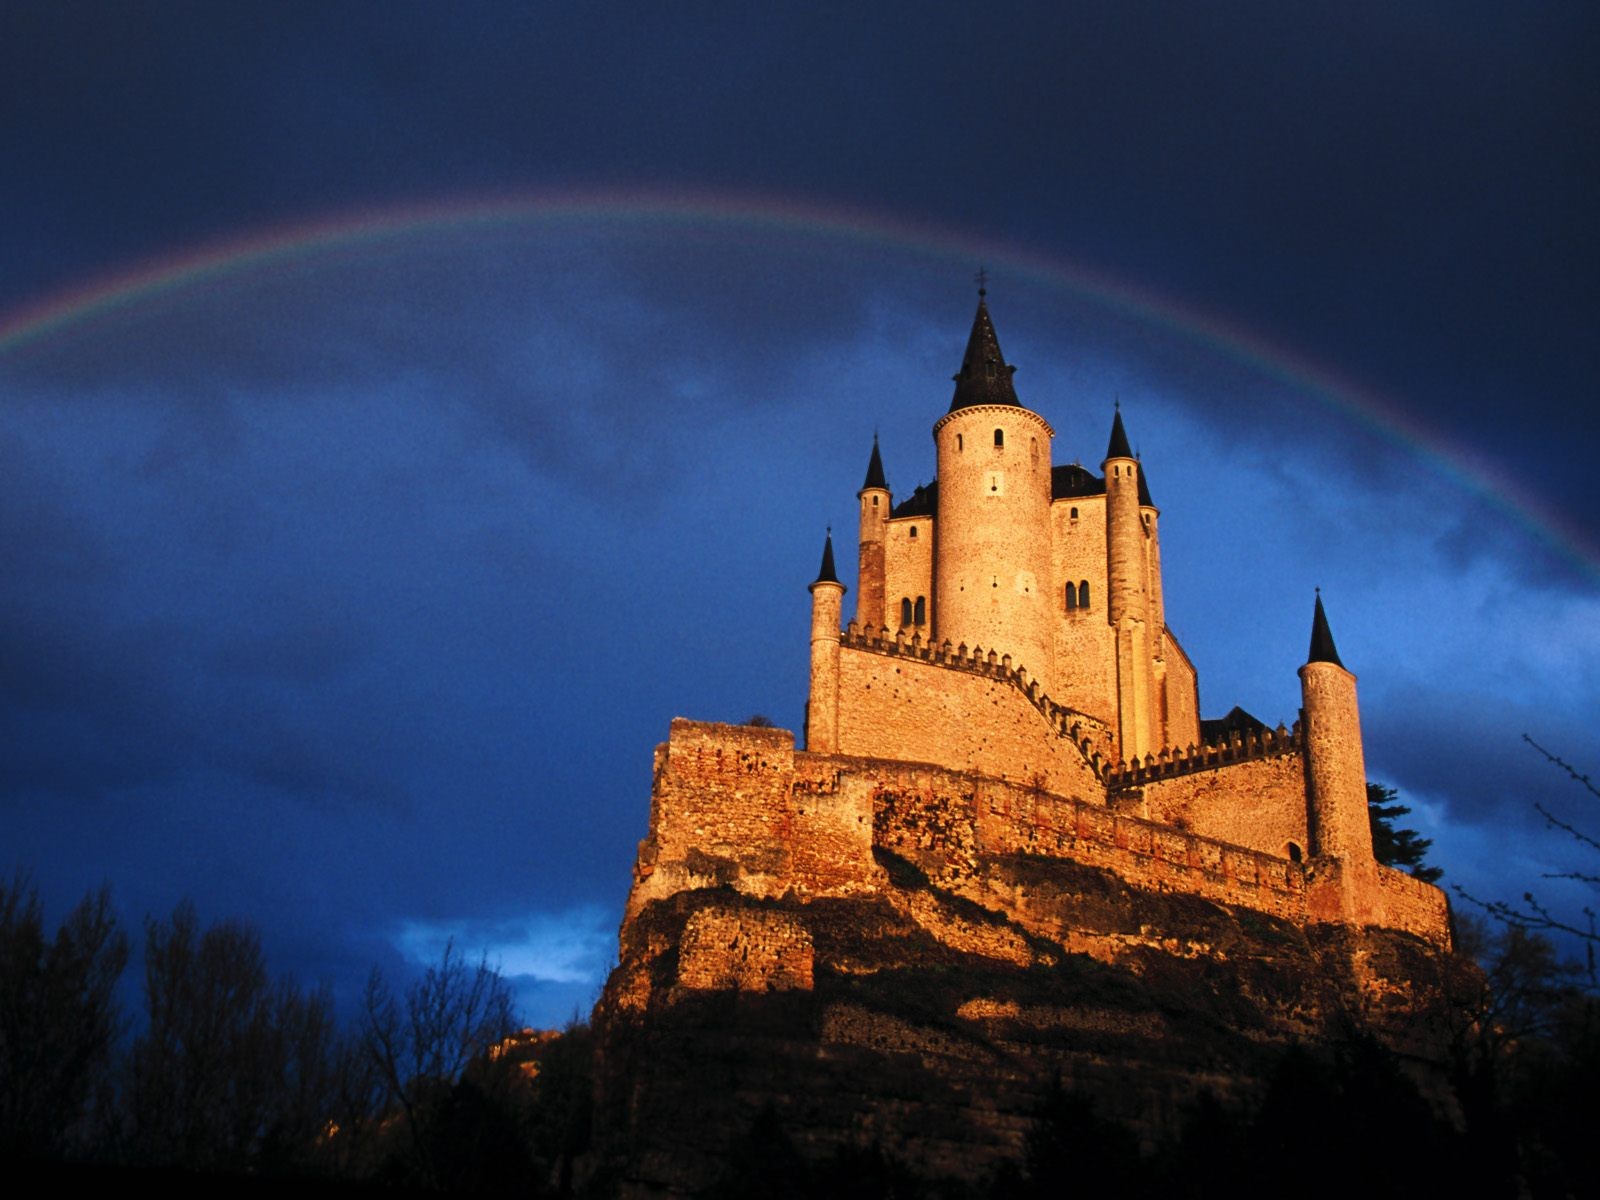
(1174, 761)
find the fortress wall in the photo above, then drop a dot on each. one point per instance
(1414, 906)
(908, 567)
(1259, 803)
(899, 707)
(945, 822)
(1086, 669)
(727, 809)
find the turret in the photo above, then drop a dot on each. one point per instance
(1127, 599)
(992, 565)
(875, 500)
(822, 710)
(1336, 775)
(1150, 518)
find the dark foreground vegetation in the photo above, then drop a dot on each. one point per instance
(231, 1078)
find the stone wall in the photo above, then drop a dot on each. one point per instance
(908, 569)
(737, 806)
(725, 812)
(1085, 671)
(1259, 804)
(745, 950)
(899, 707)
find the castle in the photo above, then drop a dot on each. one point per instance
(1010, 856)
(1010, 629)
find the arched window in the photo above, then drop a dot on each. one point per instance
(1295, 853)
(874, 502)
(921, 613)
(1083, 594)
(905, 611)
(1072, 596)
(913, 533)
(1074, 514)
(999, 437)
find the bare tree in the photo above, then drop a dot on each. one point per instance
(1535, 915)
(58, 1019)
(422, 1045)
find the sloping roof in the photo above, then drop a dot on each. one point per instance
(1119, 439)
(984, 377)
(875, 476)
(1074, 480)
(923, 502)
(827, 574)
(1322, 647)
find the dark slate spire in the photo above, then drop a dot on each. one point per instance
(1322, 648)
(984, 377)
(1119, 438)
(875, 477)
(827, 574)
(1144, 488)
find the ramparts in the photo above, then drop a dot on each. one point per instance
(737, 806)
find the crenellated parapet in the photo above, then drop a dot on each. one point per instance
(1173, 761)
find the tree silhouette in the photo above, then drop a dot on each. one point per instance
(58, 1020)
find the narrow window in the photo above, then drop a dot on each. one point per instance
(921, 611)
(913, 533)
(905, 611)
(1295, 853)
(999, 437)
(958, 441)
(1072, 596)
(874, 502)
(1083, 594)
(1074, 514)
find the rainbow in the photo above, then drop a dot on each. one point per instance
(262, 249)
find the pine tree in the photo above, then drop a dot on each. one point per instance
(1402, 848)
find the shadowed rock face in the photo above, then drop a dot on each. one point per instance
(932, 1016)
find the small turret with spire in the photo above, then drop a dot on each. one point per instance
(875, 503)
(822, 709)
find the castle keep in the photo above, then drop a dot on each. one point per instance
(1010, 855)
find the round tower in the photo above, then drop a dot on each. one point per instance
(992, 556)
(822, 709)
(1128, 601)
(874, 499)
(1336, 771)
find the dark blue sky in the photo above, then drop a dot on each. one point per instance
(348, 590)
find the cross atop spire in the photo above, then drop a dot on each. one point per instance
(982, 279)
(984, 378)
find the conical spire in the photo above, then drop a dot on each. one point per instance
(1144, 488)
(875, 476)
(1322, 648)
(1119, 438)
(984, 377)
(827, 574)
